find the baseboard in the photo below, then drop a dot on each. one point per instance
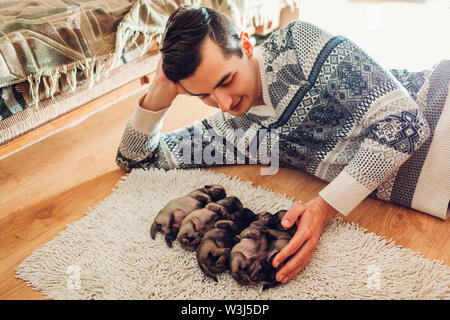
(73, 117)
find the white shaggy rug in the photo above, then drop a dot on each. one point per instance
(109, 253)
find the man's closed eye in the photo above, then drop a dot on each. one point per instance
(222, 85)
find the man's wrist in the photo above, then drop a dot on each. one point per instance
(325, 207)
(147, 102)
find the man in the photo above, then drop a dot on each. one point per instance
(338, 114)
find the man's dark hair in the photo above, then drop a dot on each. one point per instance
(186, 30)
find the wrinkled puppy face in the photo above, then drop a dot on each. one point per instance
(194, 226)
(245, 262)
(247, 256)
(214, 249)
(191, 239)
(191, 230)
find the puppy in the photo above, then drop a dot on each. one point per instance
(248, 255)
(275, 222)
(215, 246)
(198, 222)
(251, 259)
(170, 217)
(279, 238)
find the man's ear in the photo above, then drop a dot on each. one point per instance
(246, 44)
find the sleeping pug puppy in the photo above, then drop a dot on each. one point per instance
(251, 259)
(214, 248)
(198, 222)
(248, 256)
(279, 238)
(170, 217)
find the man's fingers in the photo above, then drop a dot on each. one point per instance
(296, 263)
(292, 215)
(296, 271)
(294, 244)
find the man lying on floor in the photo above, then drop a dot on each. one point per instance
(315, 101)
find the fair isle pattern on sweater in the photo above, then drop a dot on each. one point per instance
(339, 116)
(431, 101)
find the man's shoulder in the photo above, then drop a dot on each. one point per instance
(296, 35)
(297, 44)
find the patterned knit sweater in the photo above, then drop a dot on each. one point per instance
(337, 113)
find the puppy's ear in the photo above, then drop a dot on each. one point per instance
(274, 222)
(216, 191)
(244, 217)
(226, 224)
(203, 197)
(249, 215)
(280, 214)
(231, 204)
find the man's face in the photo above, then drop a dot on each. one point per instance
(231, 84)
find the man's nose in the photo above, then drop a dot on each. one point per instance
(223, 100)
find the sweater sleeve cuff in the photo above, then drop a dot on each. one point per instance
(344, 193)
(147, 121)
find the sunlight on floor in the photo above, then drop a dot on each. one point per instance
(397, 34)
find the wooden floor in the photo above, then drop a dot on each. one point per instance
(55, 181)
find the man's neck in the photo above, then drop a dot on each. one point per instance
(259, 96)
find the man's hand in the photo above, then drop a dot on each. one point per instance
(311, 218)
(162, 91)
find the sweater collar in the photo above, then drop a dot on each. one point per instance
(265, 110)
